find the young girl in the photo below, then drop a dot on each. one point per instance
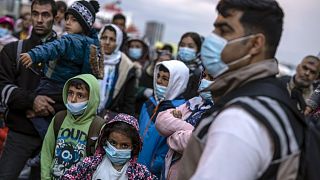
(116, 154)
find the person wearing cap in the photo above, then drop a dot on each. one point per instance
(6, 25)
(64, 58)
(116, 155)
(16, 86)
(6, 29)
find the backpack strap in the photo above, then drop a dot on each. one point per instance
(93, 134)
(19, 50)
(273, 89)
(57, 122)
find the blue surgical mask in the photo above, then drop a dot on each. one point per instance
(4, 31)
(206, 95)
(211, 50)
(77, 108)
(117, 156)
(160, 92)
(186, 54)
(135, 53)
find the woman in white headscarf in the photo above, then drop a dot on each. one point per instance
(119, 85)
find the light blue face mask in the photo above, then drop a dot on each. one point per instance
(117, 156)
(186, 54)
(206, 95)
(77, 108)
(160, 92)
(211, 50)
(4, 31)
(135, 53)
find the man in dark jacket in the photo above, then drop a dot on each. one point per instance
(16, 86)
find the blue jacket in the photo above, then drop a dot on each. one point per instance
(65, 57)
(154, 147)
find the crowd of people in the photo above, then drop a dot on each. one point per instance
(79, 102)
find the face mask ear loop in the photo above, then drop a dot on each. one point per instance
(240, 39)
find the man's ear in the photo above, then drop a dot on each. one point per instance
(258, 44)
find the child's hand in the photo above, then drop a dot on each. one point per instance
(26, 60)
(176, 114)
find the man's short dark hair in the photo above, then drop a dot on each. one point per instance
(259, 16)
(43, 2)
(119, 16)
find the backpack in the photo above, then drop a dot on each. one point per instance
(93, 134)
(306, 129)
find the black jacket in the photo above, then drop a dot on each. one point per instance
(124, 93)
(17, 85)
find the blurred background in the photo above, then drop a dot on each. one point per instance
(164, 21)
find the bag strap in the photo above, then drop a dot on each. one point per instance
(19, 50)
(57, 122)
(93, 134)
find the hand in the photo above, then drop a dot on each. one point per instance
(307, 111)
(26, 60)
(30, 114)
(176, 114)
(42, 105)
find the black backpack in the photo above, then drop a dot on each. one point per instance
(93, 134)
(306, 129)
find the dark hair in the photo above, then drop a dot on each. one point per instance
(119, 16)
(263, 16)
(61, 5)
(167, 47)
(195, 37)
(163, 68)
(43, 2)
(127, 130)
(110, 28)
(77, 83)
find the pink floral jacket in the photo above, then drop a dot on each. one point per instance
(86, 168)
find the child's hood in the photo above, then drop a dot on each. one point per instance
(179, 77)
(94, 96)
(121, 117)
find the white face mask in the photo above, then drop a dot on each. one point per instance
(77, 108)
(211, 50)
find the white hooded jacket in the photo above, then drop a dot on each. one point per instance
(178, 81)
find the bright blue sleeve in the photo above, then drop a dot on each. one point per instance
(69, 47)
(159, 156)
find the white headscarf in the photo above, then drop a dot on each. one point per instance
(110, 62)
(114, 58)
(179, 77)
